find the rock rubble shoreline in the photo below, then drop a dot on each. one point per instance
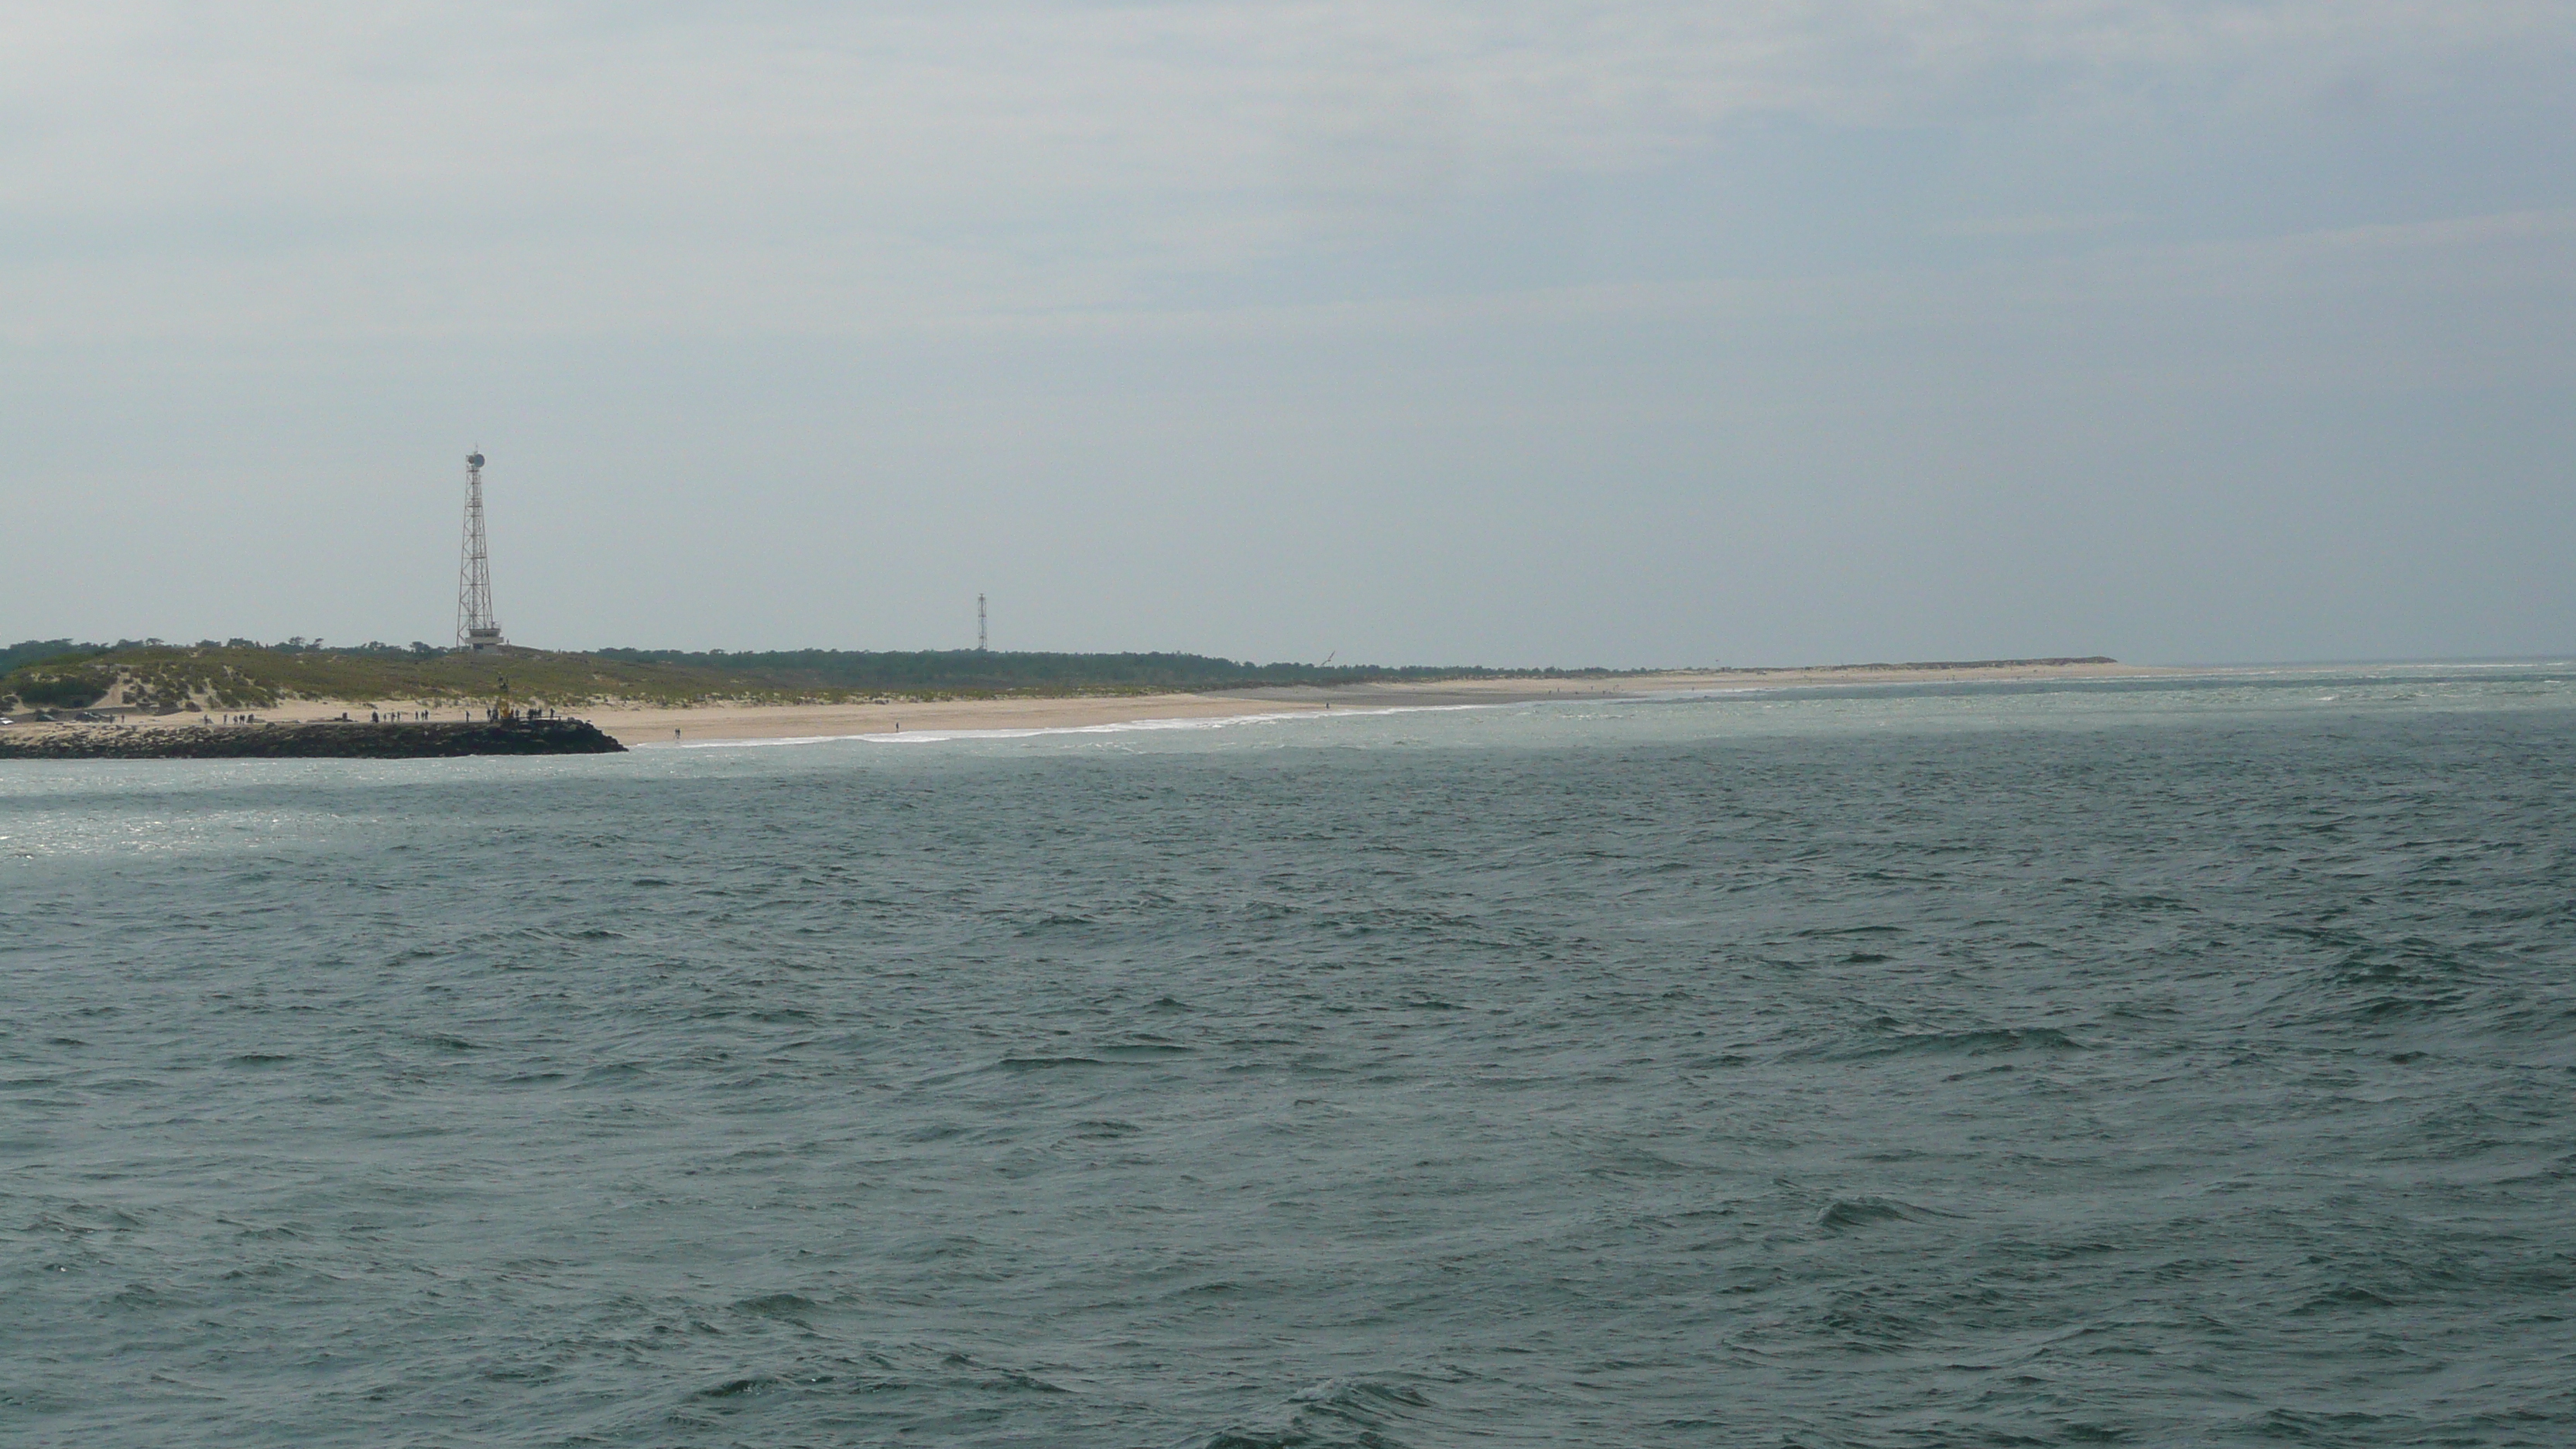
(320, 740)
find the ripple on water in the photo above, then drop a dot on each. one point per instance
(2178, 1063)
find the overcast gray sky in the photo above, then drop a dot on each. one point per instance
(1509, 333)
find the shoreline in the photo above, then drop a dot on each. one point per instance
(713, 723)
(325, 740)
(645, 725)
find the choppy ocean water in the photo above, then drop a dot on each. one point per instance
(2171, 1063)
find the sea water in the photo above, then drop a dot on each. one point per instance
(2185, 1061)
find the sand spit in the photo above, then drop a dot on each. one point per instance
(807, 721)
(697, 724)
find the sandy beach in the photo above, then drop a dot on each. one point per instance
(697, 724)
(638, 726)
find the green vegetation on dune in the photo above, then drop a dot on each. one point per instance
(60, 688)
(53, 673)
(246, 676)
(240, 674)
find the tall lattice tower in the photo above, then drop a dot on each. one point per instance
(475, 626)
(979, 623)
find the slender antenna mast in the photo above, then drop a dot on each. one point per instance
(476, 629)
(979, 623)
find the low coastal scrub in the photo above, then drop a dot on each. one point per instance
(240, 674)
(977, 671)
(52, 674)
(45, 687)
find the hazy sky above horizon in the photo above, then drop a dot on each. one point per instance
(1646, 333)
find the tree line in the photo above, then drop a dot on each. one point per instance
(998, 670)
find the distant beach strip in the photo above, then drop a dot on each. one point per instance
(636, 698)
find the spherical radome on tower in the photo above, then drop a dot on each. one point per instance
(473, 460)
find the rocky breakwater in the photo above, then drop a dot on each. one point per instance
(321, 740)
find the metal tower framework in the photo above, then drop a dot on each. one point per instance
(979, 623)
(475, 626)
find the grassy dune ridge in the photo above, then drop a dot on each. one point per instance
(231, 677)
(242, 675)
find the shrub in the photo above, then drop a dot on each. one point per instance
(59, 691)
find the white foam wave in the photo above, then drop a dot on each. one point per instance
(1131, 726)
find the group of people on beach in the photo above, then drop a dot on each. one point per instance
(410, 716)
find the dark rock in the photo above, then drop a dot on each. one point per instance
(322, 740)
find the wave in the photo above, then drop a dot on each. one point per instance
(1356, 1412)
(1023, 732)
(1845, 1214)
